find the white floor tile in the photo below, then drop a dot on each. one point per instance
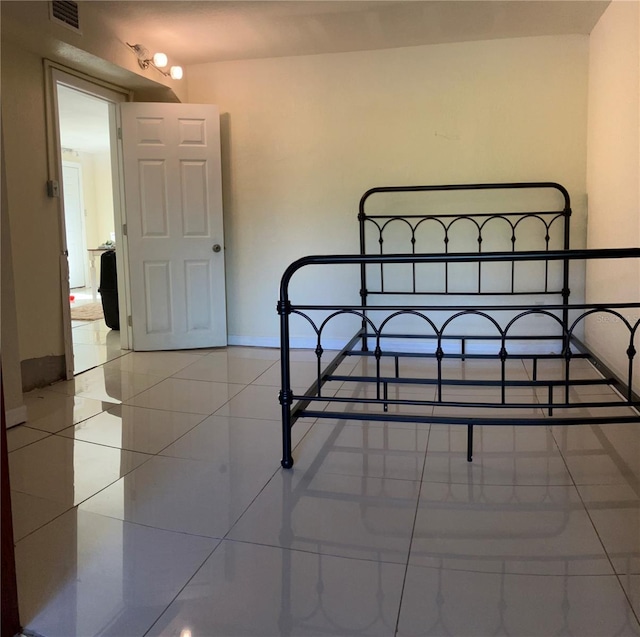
(303, 373)
(538, 530)
(631, 585)
(153, 363)
(601, 454)
(68, 471)
(361, 449)
(555, 369)
(254, 401)
(446, 602)
(31, 512)
(221, 367)
(22, 435)
(51, 411)
(349, 516)
(134, 428)
(500, 457)
(244, 589)
(240, 440)
(109, 533)
(108, 385)
(89, 356)
(615, 512)
(190, 396)
(188, 496)
(399, 400)
(86, 575)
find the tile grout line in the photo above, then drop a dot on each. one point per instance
(595, 529)
(413, 529)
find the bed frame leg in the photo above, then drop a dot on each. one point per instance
(469, 443)
(285, 401)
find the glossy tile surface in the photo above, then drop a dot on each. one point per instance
(68, 471)
(190, 396)
(23, 435)
(188, 496)
(246, 589)
(148, 500)
(53, 411)
(448, 602)
(502, 456)
(539, 530)
(349, 516)
(134, 428)
(93, 342)
(83, 574)
(109, 385)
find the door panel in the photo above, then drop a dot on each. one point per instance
(74, 223)
(173, 195)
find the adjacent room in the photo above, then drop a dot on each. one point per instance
(144, 493)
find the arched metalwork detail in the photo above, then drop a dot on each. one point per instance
(441, 317)
(307, 318)
(406, 312)
(500, 217)
(596, 311)
(436, 219)
(463, 218)
(471, 312)
(360, 314)
(535, 311)
(394, 220)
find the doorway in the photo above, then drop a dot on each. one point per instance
(88, 160)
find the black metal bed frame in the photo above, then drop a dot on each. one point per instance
(567, 319)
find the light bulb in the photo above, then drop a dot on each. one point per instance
(176, 72)
(160, 60)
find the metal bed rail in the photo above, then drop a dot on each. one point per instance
(295, 406)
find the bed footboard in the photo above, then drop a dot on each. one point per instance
(414, 376)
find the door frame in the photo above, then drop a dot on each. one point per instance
(83, 239)
(55, 74)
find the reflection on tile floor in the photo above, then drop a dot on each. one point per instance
(93, 344)
(148, 500)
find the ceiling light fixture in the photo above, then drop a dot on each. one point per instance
(158, 61)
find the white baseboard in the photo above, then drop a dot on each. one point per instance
(16, 416)
(473, 346)
(295, 342)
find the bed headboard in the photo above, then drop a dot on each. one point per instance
(470, 218)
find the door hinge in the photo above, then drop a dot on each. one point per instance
(124, 229)
(129, 321)
(53, 188)
(119, 132)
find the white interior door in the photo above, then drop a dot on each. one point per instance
(173, 203)
(74, 223)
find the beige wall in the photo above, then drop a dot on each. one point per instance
(27, 37)
(304, 137)
(11, 373)
(97, 192)
(34, 216)
(613, 174)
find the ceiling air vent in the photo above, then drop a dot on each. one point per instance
(66, 12)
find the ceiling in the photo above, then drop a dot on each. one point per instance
(194, 32)
(84, 121)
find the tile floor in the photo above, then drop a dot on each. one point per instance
(93, 342)
(148, 500)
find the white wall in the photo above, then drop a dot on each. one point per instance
(97, 191)
(613, 174)
(304, 137)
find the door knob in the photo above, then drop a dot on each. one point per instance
(216, 247)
